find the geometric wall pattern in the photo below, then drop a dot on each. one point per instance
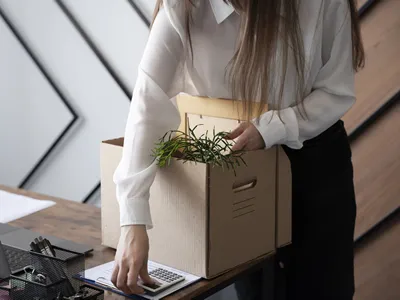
(28, 94)
(77, 63)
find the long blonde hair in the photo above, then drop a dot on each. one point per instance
(252, 68)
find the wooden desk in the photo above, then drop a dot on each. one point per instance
(81, 223)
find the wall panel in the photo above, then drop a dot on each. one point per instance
(376, 158)
(31, 113)
(377, 264)
(74, 169)
(117, 31)
(380, 79)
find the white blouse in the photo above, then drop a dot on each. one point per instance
(326, 31)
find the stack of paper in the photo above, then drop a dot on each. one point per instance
(14, 206)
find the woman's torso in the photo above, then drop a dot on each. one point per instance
(214, 45)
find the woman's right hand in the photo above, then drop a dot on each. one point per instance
(131, 260)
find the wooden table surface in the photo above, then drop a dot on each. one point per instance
(80, 223)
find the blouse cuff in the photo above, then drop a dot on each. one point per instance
(280, 129)
(135, 212)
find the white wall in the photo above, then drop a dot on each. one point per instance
(72, 170)
(32, 113)
(147, 6)
(28, 105)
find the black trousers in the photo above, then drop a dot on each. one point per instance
(319, 263)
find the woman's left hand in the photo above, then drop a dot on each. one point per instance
(248, 138)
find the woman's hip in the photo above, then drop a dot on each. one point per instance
(323, 158)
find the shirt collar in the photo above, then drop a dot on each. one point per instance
(221, 10)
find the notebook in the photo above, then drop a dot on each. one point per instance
(100, 276)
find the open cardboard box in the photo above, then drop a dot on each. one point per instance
(208, 220)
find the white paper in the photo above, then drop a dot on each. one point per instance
(103, 274)
(13, 206)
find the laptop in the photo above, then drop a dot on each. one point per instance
(21, 238)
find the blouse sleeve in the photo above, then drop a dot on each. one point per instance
(152, 113)
(332, 92)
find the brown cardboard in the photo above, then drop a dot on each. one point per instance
(179, 207)
(110, 155)
(204, 223)
(217, 108)
(241, 223)
(224, 115)
(201, 225)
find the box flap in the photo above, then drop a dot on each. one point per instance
(218, 108)
(115, 142)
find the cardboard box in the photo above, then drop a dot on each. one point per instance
(207, 220)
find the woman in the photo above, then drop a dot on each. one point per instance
(297, 56)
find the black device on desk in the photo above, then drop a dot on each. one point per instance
(21, 238)
(5, 273)
(5, 270)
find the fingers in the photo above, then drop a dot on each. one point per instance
(237, 132)
(250, 139)
(132, 281)
(114, 275)
(131, 257)
(122, 277)
(126, 279)
(240, 144)
(144, 274)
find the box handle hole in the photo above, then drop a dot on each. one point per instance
(244, 186)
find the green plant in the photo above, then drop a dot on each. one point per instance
(216, 150)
